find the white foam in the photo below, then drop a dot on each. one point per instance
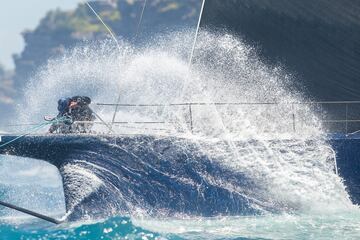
(296, 173)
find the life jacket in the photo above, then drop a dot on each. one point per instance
(81, 100)
(82, 111)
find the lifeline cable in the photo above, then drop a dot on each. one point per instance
(34, 129)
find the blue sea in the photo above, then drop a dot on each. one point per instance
(336, 226)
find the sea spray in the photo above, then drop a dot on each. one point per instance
(260, 140)
(80, 181)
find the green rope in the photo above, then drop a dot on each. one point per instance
(36, 128)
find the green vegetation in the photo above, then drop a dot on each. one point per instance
(81, 20)
(170, 7)
(111, 15)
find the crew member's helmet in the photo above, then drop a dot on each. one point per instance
(63, 104)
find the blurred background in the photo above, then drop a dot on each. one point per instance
(34, 31)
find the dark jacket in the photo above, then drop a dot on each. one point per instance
(75, 110)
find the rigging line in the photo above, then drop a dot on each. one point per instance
(23, 135)
(188, 73)
(117, 43)
(140, 20)
(31, 213)
(135, 38)
(106, 26)
(107, 125)
(196, 33)
(34, 129)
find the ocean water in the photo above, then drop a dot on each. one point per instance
(343, 225)
(296, 171)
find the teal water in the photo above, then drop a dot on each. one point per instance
(115, 228)
(335, 226)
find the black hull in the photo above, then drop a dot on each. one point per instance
(163, 176)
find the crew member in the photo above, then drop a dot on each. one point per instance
(75, 116)
(82, 113)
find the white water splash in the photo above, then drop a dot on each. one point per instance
(81, 182)
(295, 168)
(283, 226)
